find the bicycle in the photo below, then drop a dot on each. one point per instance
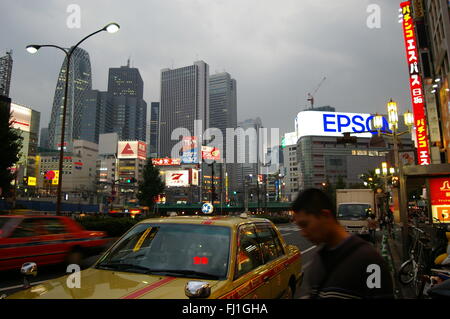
(413, 270)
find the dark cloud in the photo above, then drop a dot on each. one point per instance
(278, 51)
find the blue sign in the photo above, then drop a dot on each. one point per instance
(335, 122)
(190, 157)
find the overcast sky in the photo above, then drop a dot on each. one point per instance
(277, 51)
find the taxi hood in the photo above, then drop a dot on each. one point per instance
(106, 284)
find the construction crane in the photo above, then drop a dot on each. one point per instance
(311, 96)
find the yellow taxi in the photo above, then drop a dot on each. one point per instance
(218, 257)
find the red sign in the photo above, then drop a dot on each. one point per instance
(440, 198)
(142, 150)
(50, 175)
(210, 153)
(127, 150)
(166, 161)
(415, 82)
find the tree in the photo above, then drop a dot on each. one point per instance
(10, 150)
(371, 180)
(151, 186)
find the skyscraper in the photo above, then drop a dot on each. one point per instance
(184, 99)
(248, 159)
(6, 63)
(43, 139)
(79, 83)
(97, 117)
(223, 115)
(154, 129)
(125, 90)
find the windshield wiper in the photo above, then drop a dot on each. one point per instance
(184, 273)
(122, 266)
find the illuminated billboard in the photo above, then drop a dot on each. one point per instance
(166, 161)
(289, 139)
(21, 117)
(178, 178)
(210, 153)
(317, 123)
(132, 150)
(440, 198)
(190, 150)
(415, 84)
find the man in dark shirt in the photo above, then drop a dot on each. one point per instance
(344, 266)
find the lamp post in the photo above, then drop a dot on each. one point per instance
(408, 118)
(110, 28)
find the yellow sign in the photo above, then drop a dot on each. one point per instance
(31, 181)
(56, 178)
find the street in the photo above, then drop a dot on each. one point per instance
(12, 281)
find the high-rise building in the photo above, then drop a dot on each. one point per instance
(6, 63)
(80, 83)
(97, 117)
(248, 159)
(125, 90)
(223, 115)
(43, 138)
(154, 129)
(184, 99)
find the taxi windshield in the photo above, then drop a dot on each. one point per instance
(181, 250)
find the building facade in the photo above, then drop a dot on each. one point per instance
(322, 158)
(290, 186)
(26, 121)
(80, 82)
(97, 117)
(79, 172)
(6, 64)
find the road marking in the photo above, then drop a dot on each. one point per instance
(19, 286)
(308, 250)
(307, 265)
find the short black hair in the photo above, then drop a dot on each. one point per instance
(312, 201)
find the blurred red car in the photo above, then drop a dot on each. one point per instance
(46, 240)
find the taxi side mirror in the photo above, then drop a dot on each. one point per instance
(28, 270)
(197, 289)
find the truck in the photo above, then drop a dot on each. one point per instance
(352, 210)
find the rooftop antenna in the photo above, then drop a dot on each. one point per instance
(128, 62)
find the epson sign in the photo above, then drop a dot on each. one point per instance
(316, 123)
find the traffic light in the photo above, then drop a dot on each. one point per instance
(131, 180)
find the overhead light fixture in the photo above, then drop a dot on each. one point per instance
(435, 85)
(437, 80)
(434, 91)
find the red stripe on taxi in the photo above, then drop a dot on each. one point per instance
(143, 291)
(258, 281)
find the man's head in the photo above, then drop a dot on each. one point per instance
(315, 215)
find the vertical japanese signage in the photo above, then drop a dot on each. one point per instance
(415, 82)
(190, 150)
(440, 198)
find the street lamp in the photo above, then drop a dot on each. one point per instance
(408, 118)
(110, 28)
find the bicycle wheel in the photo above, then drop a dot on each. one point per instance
(406, 272)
